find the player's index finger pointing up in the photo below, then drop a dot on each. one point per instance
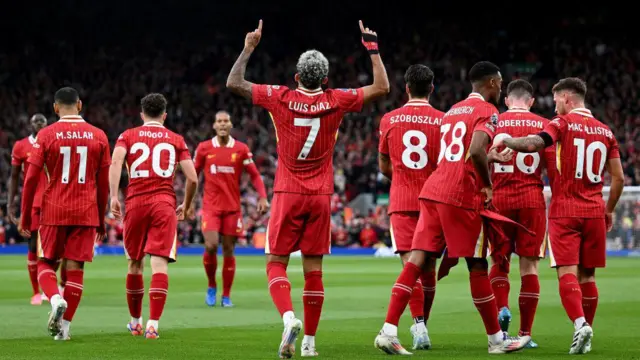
(361, 26)
(260, 25)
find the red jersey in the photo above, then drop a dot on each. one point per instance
(517, 184)
(306, 124)
(410, 136)
(583, 146)
(21, 151)
(455, 181)
(153, 153)
(71, 152)
(223, 167)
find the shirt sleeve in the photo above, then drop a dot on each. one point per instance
(247, 156)
(16, 155)
(182, 149)
(383, 145)
(106, 152)
(122, 141)
(198, 159)
(349, 100)
(39, 151)
(487, 122)
(614, 149)
(265, 95)
(555, 128)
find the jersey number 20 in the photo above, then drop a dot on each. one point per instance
(155, 160)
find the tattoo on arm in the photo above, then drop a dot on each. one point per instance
(236, 81)
(526, 144)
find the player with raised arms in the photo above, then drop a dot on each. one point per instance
(306, 121)
(223, 160)
(408, 153)
(517, 194)
(19, 156)
(578, 217)
(450, 204)
(75, 156)
(152, 154)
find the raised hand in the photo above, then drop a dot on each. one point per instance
(369, 39)
(252, 39)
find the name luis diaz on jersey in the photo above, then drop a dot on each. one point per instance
(302, 107)
(74, 135)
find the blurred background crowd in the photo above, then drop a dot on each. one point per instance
(113, 69)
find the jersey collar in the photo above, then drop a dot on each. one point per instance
(475, 95)
(303, 90)
(153, 123)
(521, 110)
(71, 118)
(581, 111)
(417, 103)
(32, 139)
(216, 143)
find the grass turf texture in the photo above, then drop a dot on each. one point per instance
(357, 293)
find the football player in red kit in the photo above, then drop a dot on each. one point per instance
(517, 194)
(19, 155)
(306, 121)
(223, 160)
(408, 153)
(450, 205)
(153, 154)
(578, 217)
(76, 157)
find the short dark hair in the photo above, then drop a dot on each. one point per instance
(519, 88)
(154, 105)
(419, 79)
(482, 70)
(573, 84)
(38, 117)
(66, 96)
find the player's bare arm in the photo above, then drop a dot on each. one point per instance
(115, 172)
(380, 86)
(527, 144)
(236, 81)
(103, 200)
(28, 194)
(386, 168)
(614, 167)
(478, 154)
(191, 187)
(13, 189)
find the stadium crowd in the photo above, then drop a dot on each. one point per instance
(112, 79)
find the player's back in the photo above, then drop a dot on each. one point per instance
(153, 152)
(517, 183)
(455, 181)
(74, 151)
(410, 136)
(306, 124)
(582, 151)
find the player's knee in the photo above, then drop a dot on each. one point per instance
(586, 275)
(228, 246)
(417, 258)
(136, 267)
(311, 263)
(430, 264)
(74, 265)
(475, 264)
(528, 266)
(564, 270)
(159, 264)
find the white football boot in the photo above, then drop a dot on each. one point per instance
(288, 344)
(581, 338)
(508, 345)
(420, 335)
(389, 344)
(58, 308)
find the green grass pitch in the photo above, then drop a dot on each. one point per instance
(357, 293)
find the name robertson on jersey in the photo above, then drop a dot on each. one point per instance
(591, 130)
(517, 123)
(302, 107)
(415, 119)
(74, 135)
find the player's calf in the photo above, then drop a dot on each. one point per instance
(210, 264)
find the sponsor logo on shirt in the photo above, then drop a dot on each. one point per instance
(211, 156)
(222, 169)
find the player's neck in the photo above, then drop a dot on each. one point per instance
(319, 88)
(158, 121)
(575, 106)
(518, 105)
(223, 140)
(422, 99)
(64, 114)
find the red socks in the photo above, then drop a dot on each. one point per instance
(73, 292)
(401, 292)
(47, 279)
(528, 301)
(228, 272)
(484, 300)
(279, 286)
(500, 285)
(571, 296)
(589, 300)
(416, 301)
(157, 295)
(210, 262)
(428, 280)
(312, 298)
(135, 294)
(32, 266)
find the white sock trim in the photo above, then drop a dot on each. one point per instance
(153, 323)
(287, 317)
(496, 338)
(390, 329)
(309, 340)
(579, 322)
